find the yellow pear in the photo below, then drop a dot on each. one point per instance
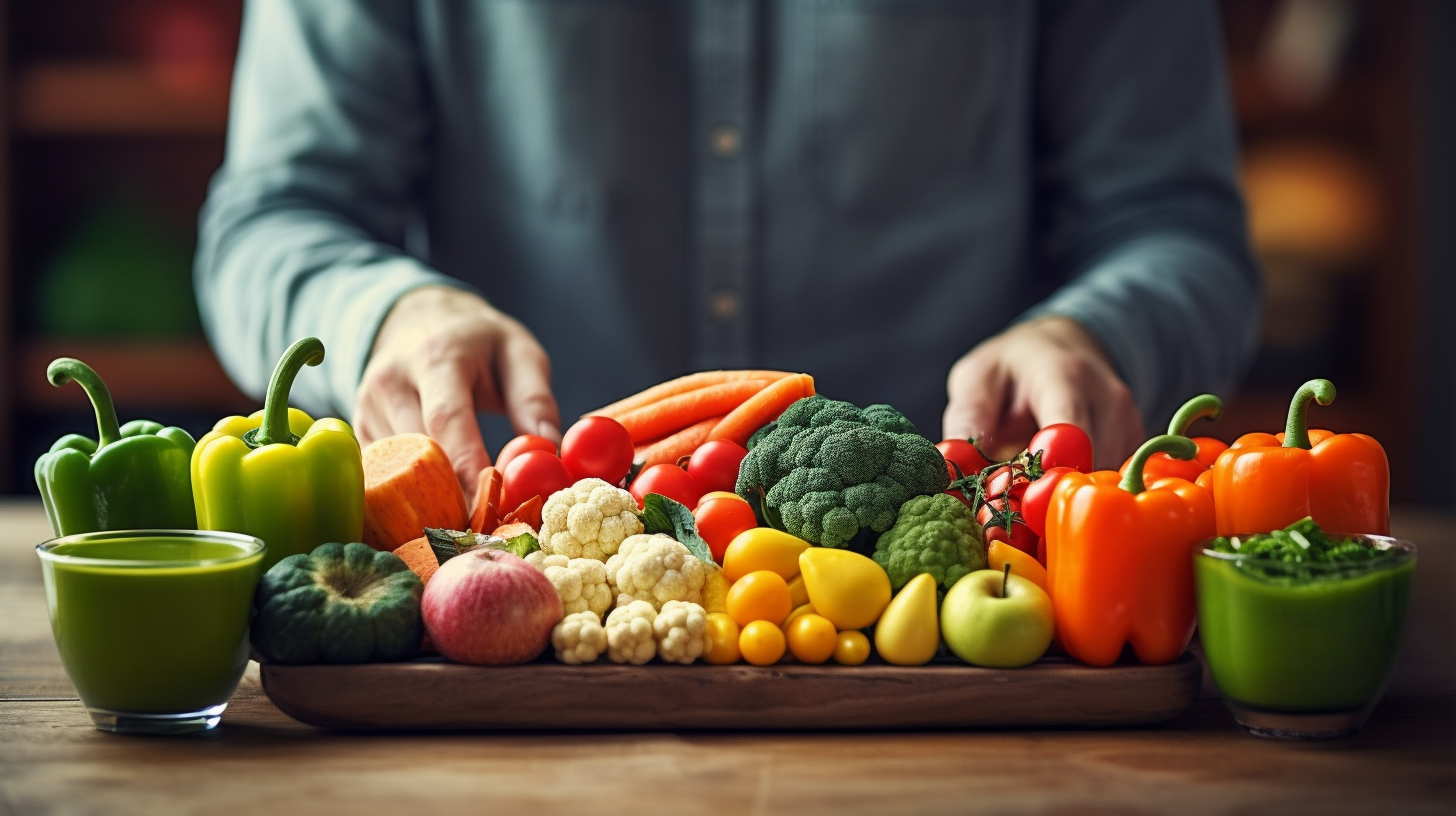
(845, 587)
(909, 631)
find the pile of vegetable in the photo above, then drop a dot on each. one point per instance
(721, 517)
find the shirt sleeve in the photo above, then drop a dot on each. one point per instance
(1140, 212)
(304, 229)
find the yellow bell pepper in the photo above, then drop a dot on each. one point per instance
(278, 474)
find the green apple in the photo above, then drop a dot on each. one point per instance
(996, 619)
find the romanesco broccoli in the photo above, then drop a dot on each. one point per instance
(936, 535)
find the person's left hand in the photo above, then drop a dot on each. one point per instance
(1035, 374)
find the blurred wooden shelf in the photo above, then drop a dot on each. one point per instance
(112, 98)
(181, 374)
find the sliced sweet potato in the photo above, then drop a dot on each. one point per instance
(409, 485)
(420, 557)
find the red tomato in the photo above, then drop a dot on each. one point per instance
(1004, 478)
(1062, 445)
(1021, 537)
(1038, 497)
(519, 445)
(964, 454)
(714, 465)
(597, 447)
(721, 520)
(992, 510)
(533, 473)
(667, 480)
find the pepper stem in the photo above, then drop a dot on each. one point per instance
(1203, 406)
(1296, 430)
(63, 370)
(1178, 447)
(1005, 577)
(275, 430)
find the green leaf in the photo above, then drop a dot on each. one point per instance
(522, 545)
(443, 542)
(663, 515)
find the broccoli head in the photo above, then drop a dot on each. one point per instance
(933, 534)
(836, 475)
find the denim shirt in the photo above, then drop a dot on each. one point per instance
(859, 189)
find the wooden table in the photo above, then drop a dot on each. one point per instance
(260, 761)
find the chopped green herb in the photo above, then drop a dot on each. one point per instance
(1300, 552)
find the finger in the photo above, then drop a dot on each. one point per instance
(368, 422)
(399, 403)
(1117, 424)
(978, 393)
(525, 386)
(447, 407)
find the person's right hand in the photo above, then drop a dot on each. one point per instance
(440, 356)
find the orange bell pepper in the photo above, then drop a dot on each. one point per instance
(1119, 559)
(1163, 466)
(1266, 482)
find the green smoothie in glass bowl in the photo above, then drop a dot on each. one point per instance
(1300, 627)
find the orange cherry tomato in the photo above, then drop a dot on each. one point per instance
(720, 520)
(723, 635)
(762, 643)
(812, 638)
(851, 647)
(760, 596)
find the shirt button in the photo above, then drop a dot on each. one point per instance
(726, 142)
(723, 305)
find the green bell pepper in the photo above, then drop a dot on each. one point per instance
(136, 476)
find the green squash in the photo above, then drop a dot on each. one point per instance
(341, 603)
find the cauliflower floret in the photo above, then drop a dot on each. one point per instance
(579, 638)
(681, 630)
(655, 568)
(581, 582)
(629, 633)
(590, 519)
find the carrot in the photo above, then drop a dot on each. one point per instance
(528, 513)
(762, 408)
(486, 513)
(675, 413)
(419, 557)
(409, 485)
(671, 448)
(682, 385)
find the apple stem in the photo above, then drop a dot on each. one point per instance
(1005, 577)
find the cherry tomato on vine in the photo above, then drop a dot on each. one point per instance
(1021, 537)
(667, 480)
(533, 473)
(714, 465)
(964, 454)
(519, 445)
(598, 447)
(993, 509)
(1038, 497)
(1006, 482)
(1062, 445)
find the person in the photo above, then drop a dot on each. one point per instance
(536, 207)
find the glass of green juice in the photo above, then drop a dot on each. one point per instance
(152, 625)
(1303, 650)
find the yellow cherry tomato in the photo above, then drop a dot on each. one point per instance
(812, 638)
(798, 591)
(722, 640)
(851, 647)
(759, 596)
(762, 643)
(803, 609)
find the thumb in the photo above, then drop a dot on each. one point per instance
(525, 384)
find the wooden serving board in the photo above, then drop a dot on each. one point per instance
(435, 694)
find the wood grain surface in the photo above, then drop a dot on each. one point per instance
(543, 695)
(260, 760)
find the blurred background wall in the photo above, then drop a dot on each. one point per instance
(112, 118)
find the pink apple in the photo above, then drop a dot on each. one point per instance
(490, 608)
